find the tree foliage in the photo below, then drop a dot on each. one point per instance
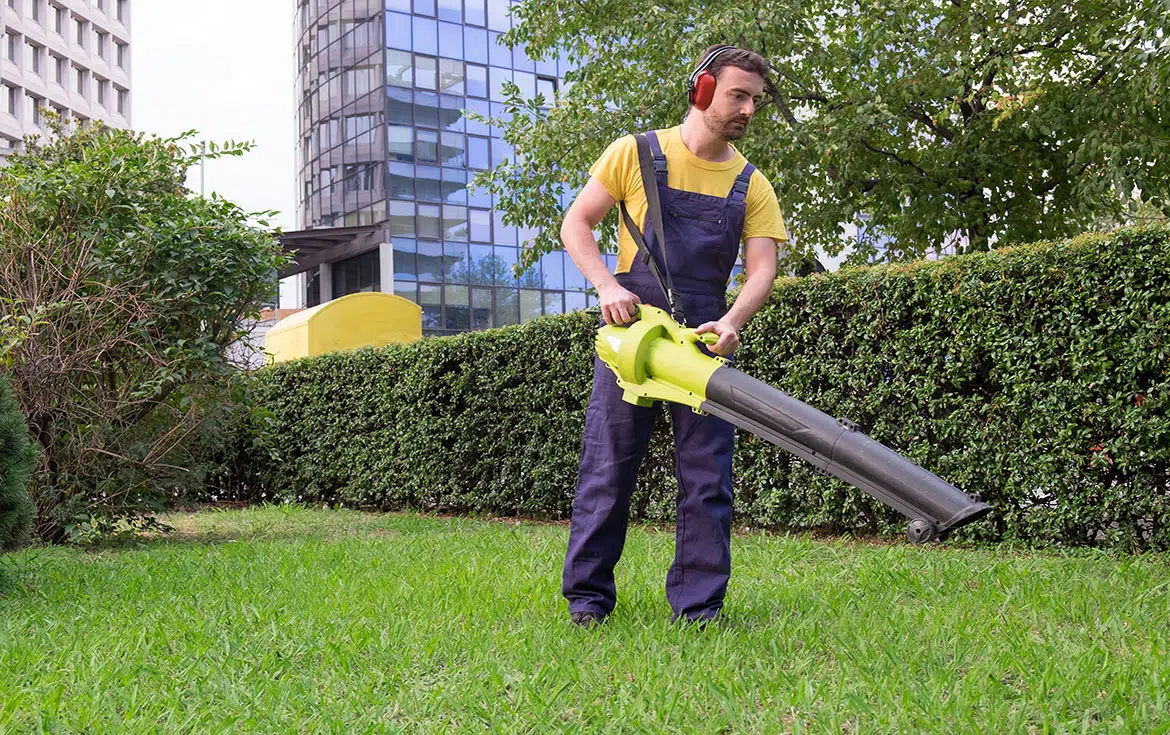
(17, 459)
(122, 292)
(968, 121)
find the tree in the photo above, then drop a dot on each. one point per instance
(122, 292)
(493, 269)
(17, 459)
(977, 120)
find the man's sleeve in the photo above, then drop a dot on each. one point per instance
(616, 165)
(763, 211)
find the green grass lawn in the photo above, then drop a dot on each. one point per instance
(286, 620)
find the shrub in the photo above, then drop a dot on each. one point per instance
(17, 459)
(122, 293)
(1035, 375)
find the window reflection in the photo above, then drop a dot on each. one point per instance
(451, 252)
(451, 76)
(399, 68)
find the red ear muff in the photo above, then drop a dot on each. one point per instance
(704, 90)
(701, 83)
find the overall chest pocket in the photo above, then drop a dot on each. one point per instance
(694, 229)
(707, 217)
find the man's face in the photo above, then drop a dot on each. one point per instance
(737, 94)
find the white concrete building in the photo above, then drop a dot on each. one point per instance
(71, 56)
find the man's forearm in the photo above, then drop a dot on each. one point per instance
(582, 248)
(752, 297)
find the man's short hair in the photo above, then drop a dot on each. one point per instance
(740, 58)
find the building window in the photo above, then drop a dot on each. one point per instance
(101, 5)
(122, 95)
(498, 15)
(359, 177)
(428, 224)
(361, 34)
(357, 274)
(59, 66)
(427, 146)
(313, 286)
(399, 68)
(32, 58)
(123, 49)
(477, 85)
(426, 70)
(102, 89)
(59, 20)
(547, 88)
(359, 80)
(474, 12)
(81, 80)
(478, 154)
(426, 35)
(101, 44)
(480, 225)
(453, 149)
(451, 76)
(12, 95)
(35, 10)
(451, 10)
(326, 34)
(12, 43)
(37, 106)
(122, 15)
(360, 128)
(79, 28)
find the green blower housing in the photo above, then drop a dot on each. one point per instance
(657, 359)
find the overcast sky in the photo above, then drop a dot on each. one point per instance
(224, 69)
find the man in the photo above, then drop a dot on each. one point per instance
(712, 199)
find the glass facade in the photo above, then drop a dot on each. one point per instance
(384, 85)
(341, 113)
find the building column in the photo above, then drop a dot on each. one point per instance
(386, 267)
(326, 281)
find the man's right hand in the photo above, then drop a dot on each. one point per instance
(617, 304)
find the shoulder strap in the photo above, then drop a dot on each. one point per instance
(739, 189)
(648, 259)
(646, 164)
(658, 156)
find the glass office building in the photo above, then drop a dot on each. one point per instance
(386, 154)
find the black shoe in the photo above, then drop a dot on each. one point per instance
(587, 620)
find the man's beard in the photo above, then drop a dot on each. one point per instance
(726, 127)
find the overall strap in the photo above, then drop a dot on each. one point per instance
(739, 189)
(653, 220)
(658, 156)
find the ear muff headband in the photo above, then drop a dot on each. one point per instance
(701, 83)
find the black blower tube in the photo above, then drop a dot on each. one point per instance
(836, 447)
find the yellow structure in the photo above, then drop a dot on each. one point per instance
(357, 320)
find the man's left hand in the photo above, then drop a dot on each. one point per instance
(728, 336)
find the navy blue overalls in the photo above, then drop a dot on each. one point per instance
(703, 234)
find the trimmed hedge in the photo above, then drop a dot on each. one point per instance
(1036, 376)
(17, 460)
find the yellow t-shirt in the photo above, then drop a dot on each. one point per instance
(618, 172)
